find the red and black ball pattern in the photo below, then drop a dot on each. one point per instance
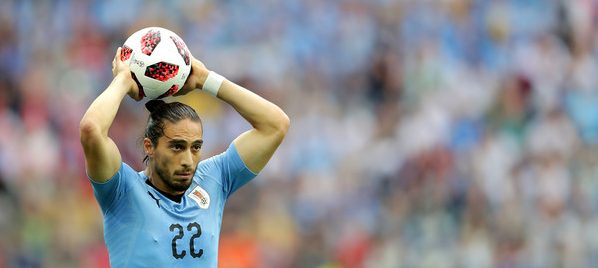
(149, 41)
(173, 89)
(162, 71)
(125, 53)
(182, 49)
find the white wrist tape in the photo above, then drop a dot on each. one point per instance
(213, 83)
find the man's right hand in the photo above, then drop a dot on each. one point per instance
(122, 74)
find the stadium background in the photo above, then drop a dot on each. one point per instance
(424, 133)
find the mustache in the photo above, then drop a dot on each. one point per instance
(184, 171)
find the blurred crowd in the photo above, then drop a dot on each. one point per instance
(448, 133)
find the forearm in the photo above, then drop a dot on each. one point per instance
(101, 112)
(262, 114)
(270, 124)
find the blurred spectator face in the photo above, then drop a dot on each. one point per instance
(516, 94)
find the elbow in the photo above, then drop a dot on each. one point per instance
(88, 130)
(282, 125)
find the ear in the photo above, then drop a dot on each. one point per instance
(148, 147)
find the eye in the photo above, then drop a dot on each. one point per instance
(196, 147)
(177, 147)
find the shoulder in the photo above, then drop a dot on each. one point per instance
(112, 192)
(208, 167)
(215, 165)
(229, 156)
(127, 171)
(123, 170)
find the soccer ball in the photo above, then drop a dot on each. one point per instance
(159, 60)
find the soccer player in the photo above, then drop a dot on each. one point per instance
(169, 215)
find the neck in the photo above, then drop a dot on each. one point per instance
(158, 183)
(175, 198)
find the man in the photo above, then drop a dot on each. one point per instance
(169, 214)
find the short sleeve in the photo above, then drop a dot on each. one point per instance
(112, 191)
(233, 171)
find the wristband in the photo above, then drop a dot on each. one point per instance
(213, 83)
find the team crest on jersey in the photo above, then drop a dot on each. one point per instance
(201, 197)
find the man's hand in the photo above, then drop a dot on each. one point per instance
(196, 78)
(122, 73)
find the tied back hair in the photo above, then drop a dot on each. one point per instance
(160, 112)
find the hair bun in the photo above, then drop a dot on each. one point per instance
(154, 105)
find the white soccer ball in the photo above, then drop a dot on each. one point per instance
(160, 61)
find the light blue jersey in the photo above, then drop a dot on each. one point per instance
(143, 228)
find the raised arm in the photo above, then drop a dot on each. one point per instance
(102, 157)
(270, 123)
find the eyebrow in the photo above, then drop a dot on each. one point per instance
(179, 141)
(174, 141)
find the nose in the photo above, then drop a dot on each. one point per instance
(187, 159)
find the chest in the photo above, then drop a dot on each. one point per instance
(189, 229)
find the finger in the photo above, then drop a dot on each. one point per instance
(117, 56)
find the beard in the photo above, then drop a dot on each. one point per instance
(170, 182)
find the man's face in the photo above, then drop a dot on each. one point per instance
(176, 156)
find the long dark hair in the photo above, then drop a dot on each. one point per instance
(160, 112)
